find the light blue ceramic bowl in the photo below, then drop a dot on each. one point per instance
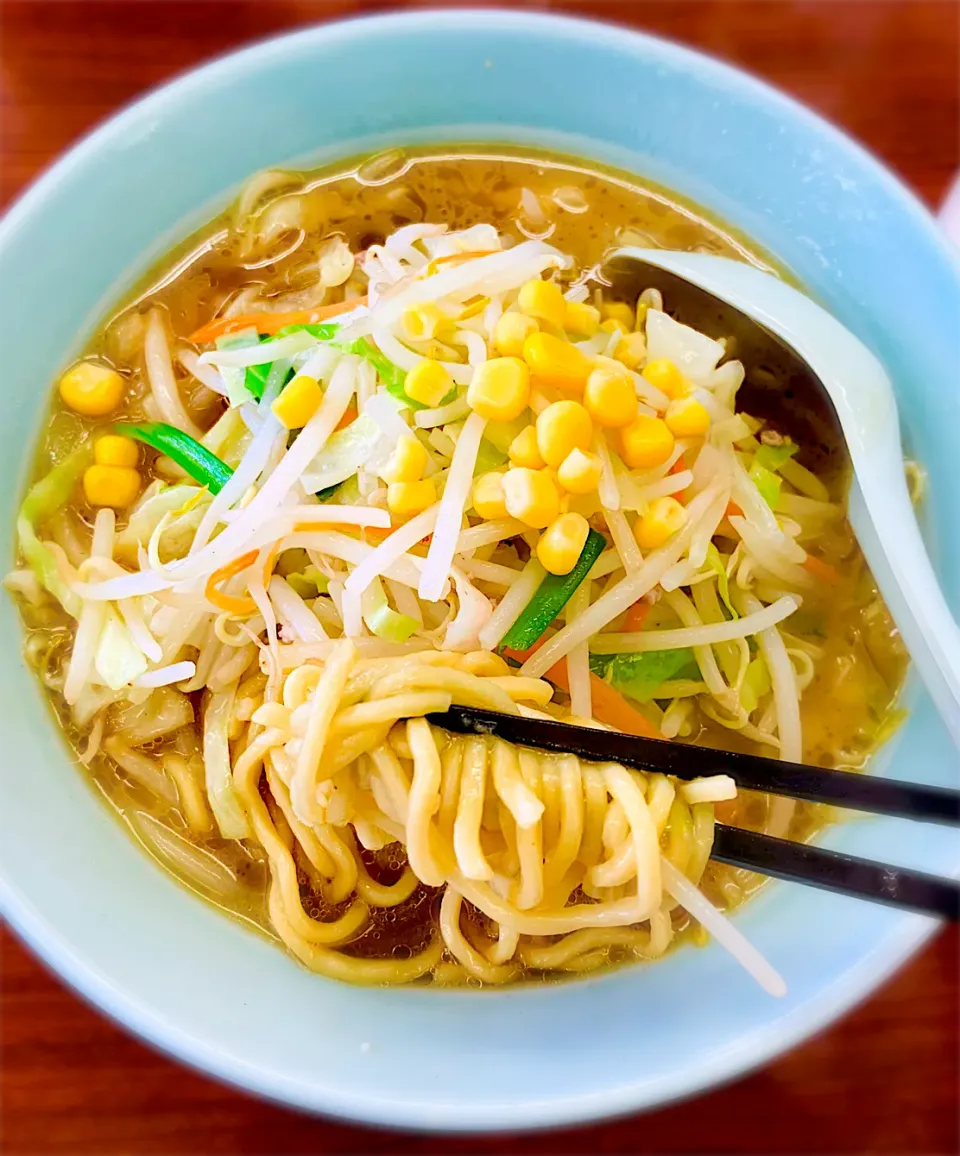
(203, 988)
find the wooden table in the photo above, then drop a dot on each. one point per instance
(885, 1078)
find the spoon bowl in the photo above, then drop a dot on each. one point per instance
(812, 376)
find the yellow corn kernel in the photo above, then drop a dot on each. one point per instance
(428, 382)
(488, 496)
(556, 362)
(646, 442)
(511, 331)
(422, 322)
(115, 486)
(562, 427)
(687, 418)
(612, 326)
(407, 462)
(114, 450)
(523, 450)
(664, 517)
(610, 396)
(408, 498)
(500, 390)
(531, 496)
(579, 472)
(581, 319)
(620, 312)
(561, 544)
(543, 300)
(91, 389)
(665, 376)
(298, 402)
(632, 350)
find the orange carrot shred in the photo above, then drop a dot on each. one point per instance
(821, 570)
(609, 706)
(350, 414)
(229, 602)
(636, 616)
(270, 323)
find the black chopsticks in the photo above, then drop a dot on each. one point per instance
(782, 858)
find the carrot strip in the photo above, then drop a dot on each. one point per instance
(732, 509)
(636, 616)
(350, 414)
(820, 569)
(229, 602)
(269, 562)
(608, 706)
(269, 323)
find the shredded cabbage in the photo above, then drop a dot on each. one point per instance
(118, 659)
(641, 675)
(43, 500)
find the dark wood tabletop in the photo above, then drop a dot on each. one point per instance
(883, 1079)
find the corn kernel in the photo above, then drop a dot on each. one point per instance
(665, 376)
(428, 382)
(610, 396)
(531, 496)
(91, 389)
(115, 486)
(632, 350)
(523, 450)
(556, 362)
(114, 450)
(612, 326)
(579, 472)
(488, 496)
(511, 331)
(561, 544)
(620, 312)
(581, 319)
(407, 462)
(500, 390)
(687, 418)
(663, 518)
(408, 498)
(562, 427)
(543, 300)
(646, 442)
(298, 402)
(422, 322)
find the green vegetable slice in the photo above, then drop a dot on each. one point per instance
(773, 457)
(756, 683)
(767, 482)
(640, 675)
(386, 623)
(723, 584)
(42, 500)
(488, 458)
(203, 466)
(553, 593)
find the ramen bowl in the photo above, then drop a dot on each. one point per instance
(211, 991)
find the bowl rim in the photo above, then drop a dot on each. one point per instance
(94, 985)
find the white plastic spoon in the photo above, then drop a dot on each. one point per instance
(880, 510)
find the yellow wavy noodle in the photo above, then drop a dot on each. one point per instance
(501, 860)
